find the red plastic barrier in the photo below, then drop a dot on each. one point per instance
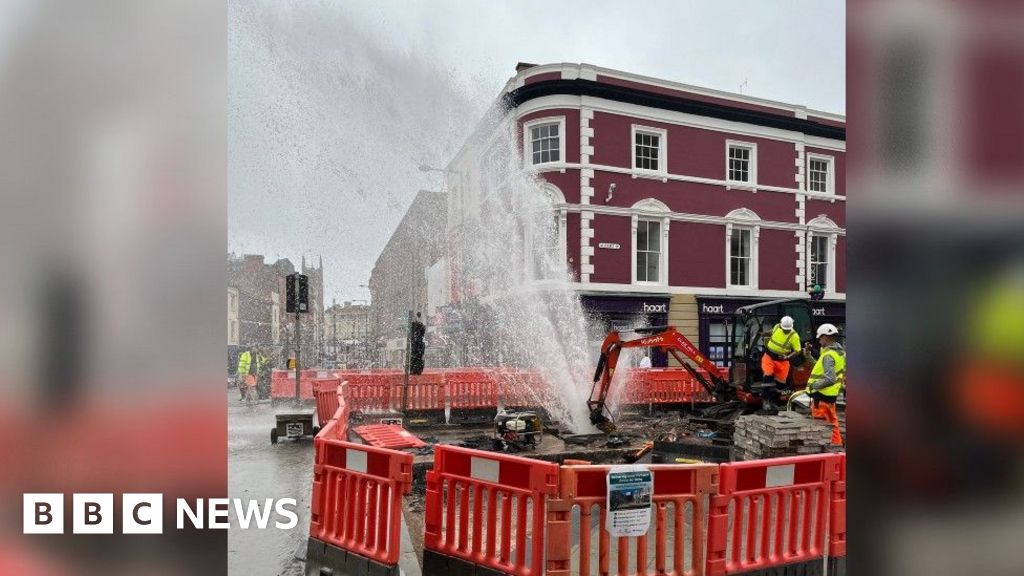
(778, 512)
(837, 514)
(523, 389)
(472, 388)
(282, 383)
(325, 391)
(388, 436)
(357, 497)
(473, 495)
(426, 392)
(373, 391)
(677, 532)
(665, 386)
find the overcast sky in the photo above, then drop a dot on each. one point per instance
(333, 105)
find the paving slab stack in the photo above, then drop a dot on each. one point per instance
(787, 434)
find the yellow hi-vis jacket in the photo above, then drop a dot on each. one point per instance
(829, 372)
(781, 343)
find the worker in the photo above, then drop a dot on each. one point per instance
(248, 367)
(827, 379)
(262, 375)
(781, 346)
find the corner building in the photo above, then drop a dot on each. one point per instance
(675, 204)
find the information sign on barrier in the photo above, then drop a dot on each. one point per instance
(629, 501)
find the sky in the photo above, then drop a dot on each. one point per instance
(332, 105)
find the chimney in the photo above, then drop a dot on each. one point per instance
(523, 66)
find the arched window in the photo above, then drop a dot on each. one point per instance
(650, 224)
(742, 233)
(822, 234)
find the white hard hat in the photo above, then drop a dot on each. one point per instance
(827, 330)
(786, 323)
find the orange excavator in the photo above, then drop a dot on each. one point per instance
(741, 391)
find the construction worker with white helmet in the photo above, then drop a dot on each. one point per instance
(782, 345)
(827, 379)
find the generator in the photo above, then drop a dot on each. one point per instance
(517, 431)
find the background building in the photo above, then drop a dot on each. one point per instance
(256, 309)
(398, 282)
(346, 334)
(675, 204)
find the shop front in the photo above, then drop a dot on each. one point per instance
(714, 314)
(625, 312)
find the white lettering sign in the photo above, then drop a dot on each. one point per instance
(609, 245)
(709, 309)
(818, 311)
(655, 308)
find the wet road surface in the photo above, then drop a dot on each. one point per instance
(259, 470)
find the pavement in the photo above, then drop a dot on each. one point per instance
(259, 470)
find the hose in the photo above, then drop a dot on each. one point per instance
(789, 404)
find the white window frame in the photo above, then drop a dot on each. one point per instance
(653, 211)
(559, 207)
(662, 135)
(752, 168)
(743, 219)
(822, 226)
(830, 177)
(528, 141)
(233, 321)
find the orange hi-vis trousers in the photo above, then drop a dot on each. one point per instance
(827, 411)
(777, 369)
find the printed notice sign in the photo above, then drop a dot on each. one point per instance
(629, 501)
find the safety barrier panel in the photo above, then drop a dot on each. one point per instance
(523, 389)
(837, 523)
(356, 508)
(771, 513)
(388, 436)
(426, 392)
(674, 545)
(665, 386)
(282, 384)
(325, 393)
(472, 389)
(486, 509)
(372, 391)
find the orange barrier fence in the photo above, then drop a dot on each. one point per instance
(282, 383)
(837, 522)
(771, 513)
(325, 393)
(486, 509)
(426, 392)
(523, 389)
(356, 508)
(677, 537)
(472, 389)
(665, 386)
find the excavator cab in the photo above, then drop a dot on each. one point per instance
(748, 329)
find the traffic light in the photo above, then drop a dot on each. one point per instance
(417, 347)
(296, 293)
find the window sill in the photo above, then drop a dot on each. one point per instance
(649, 175)
(546, 167)
(741, 186)
(830, 196)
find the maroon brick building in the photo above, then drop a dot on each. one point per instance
(674, 202)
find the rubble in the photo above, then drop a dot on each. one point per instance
(786, 434)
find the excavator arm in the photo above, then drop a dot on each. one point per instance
(668, 339)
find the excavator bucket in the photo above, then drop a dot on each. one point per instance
(601, 422)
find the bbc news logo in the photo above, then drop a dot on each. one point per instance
(143, 513)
